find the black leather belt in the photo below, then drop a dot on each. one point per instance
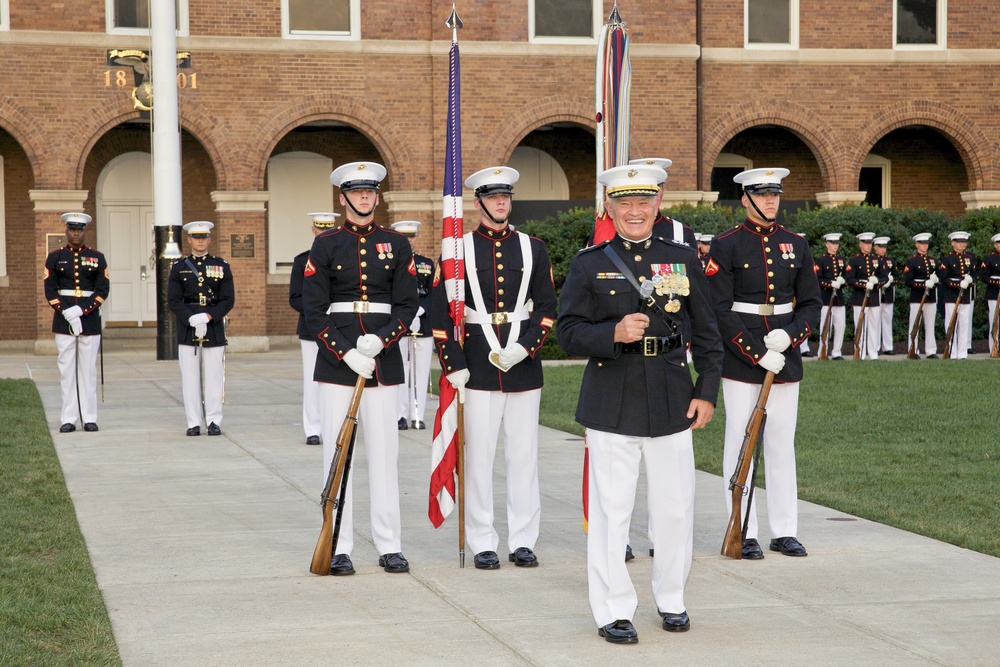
(198, 302)
(650, 346)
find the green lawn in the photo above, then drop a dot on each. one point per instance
(912, 444)
(51, 611)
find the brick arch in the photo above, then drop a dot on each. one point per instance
(382, 131)
(22, 127)
(968, 138)
(199, 126)
(812, 129)
(539, 112)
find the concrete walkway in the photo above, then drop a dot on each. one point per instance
(202, 547)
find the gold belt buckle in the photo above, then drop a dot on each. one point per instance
(765, 310)
(361, 307)
(499, 318)
(649, 346)
(201, 300)
(78, 293)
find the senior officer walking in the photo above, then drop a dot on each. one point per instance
(830, 272)
(637, 398)
(360, 294)
(510, 303)
(321, 222)
(76, 284)
(200, 294)
(920, 275)
(767, 300)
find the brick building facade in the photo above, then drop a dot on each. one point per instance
(841, 100)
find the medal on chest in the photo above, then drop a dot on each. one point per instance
(670, 280)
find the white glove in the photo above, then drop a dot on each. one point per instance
(198, 318)
(772, 361)
(360, 364)
(369, 345)
(73, 313)
(932, 281)
(200, 330)
(872, 283)
(890, 280)
(966, 281)
(777, 340)
(75, 326)
(415, 325)
(513, 354)
(458, 380)
(839, 282)
(421, 312)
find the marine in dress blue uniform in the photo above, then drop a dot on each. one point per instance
(360, 295)
(957, 273)
(321, 222)
(637, 398)
(417, 347)
(200, 293)
(767, 301)
(510, 306)
(887, 293)
(830, 273)
(920, 275)
(865, 274)
(76, 284)
(989, 273)
(665, 227)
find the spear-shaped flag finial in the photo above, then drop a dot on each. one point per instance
(453, 21)
(614, 18)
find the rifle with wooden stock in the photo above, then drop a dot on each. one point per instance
(950, 337)
(336, 483)
(912, 352)
(732, 543)
(995, 347)
(826, 326)
(860, 325)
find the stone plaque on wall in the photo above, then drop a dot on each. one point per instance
(55, 241)
(242, 246)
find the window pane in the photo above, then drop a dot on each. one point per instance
(564, 18)
(768, 22)
(319, 15)
(870, 181)
(131, 14)
(916, 22)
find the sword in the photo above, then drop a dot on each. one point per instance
(76, 372)
(199, 352)
(100, 348)
(414, 417)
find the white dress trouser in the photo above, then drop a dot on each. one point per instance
(872, 335)
(425, 350)
(191, 357)
(515, 415)
(930, 343)
(779, 452)
(838, 322)
(613, 473)
(86, 366)
(310, 388)
(992, 306)
(962, 338)
(885, 312)
(381, 444)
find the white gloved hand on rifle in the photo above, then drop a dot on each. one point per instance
(872, 283)
(777, 340)
(889, 280)
(369, 345)
(932, 281)
(772, 361)
(966, 281)
(360, 364)
(458, 379)
(839, 282)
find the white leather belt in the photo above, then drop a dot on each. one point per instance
(763, 309)
(475, 317)
(359, 307)
(77, 293)
(994, 277)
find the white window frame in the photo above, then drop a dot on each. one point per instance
(109, 16)
(732, 161)
(4, 15)
(596, 8)
(793, 29)
(354, 34)
(873, 161)
(3, 231)
(942, 29)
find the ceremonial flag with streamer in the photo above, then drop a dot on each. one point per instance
(444, 450)
(613, 83)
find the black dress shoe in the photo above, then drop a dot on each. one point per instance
(402, 424)
(628, 553)
(837, 358)
(931, 356)
(888, 353)
(420, 426)
(341, 565)
(487, 560)
(394, 563)
(67, 428)
(90, 427)
(789, 546)
(312, 440)
(675, 622)
(619, 632)
(523, 557)
(213, 429)
(751, 550)
(807, 354)
(650, 552)
(194, 430)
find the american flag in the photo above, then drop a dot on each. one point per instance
(444, 450)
